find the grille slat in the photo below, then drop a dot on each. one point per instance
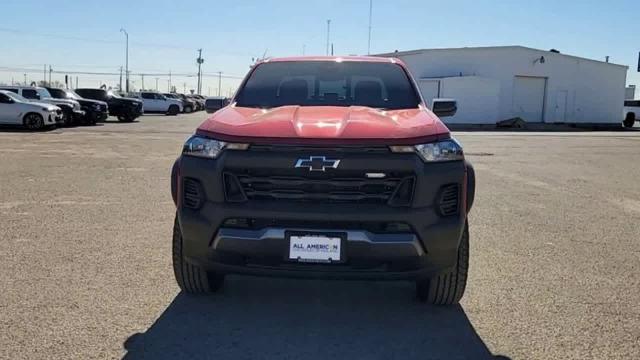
(311, 149)
(326, 187)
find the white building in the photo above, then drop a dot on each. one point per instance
(630, 92)
(493, 84)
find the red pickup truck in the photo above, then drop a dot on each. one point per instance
(325, 167)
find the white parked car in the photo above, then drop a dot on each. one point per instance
(16, 110)
(71, 109)
(156, 102)
(631, 112)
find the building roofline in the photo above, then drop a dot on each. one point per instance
(420, 51)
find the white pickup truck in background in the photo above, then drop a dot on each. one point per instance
(158, 103)
(631, 112)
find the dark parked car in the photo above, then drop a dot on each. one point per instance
(186, 99)
(94, 110)
(199, 99)
(188, 105)
(215, 103)
(125, 109)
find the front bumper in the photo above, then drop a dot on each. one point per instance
(78, 114)
(427, 246)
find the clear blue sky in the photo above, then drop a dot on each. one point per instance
(165, 34)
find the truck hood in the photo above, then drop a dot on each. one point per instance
(324, 123)
(60, 101)
(84, 101)
(42, 104)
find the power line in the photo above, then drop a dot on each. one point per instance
(106, 41)
(106, 73)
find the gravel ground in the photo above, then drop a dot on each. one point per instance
(85, 259)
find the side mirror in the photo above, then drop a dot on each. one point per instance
(444, 107)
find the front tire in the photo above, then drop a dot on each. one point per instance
(629, 120)
(173, 110)
(447, 288)
(191, 278)
(33, 121)
(188, 109)
(125, 118)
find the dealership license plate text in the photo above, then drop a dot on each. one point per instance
(314, 248)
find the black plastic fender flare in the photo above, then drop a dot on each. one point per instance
(175, 174)
(471, 185)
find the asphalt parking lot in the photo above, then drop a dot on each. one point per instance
(85, 259)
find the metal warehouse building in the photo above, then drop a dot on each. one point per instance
(493, 84)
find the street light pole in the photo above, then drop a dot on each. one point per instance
(370, 15)
(126, 34)
(328, 35)
(199, 60)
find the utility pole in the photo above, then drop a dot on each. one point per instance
(169, 80)
(331, 49)
(77, 83)
(168, 86)
(126, 34)
(25, 80)
(370, 16)
(50, 71)
(120, 78)
(328, 35)
(45, 74)
(304, 48)
(157, 83)
(199, 60)
(219, 82)
(142, 75)
(184, 88)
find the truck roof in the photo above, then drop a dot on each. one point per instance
(372, 59)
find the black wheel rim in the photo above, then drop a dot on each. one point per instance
(33, 122)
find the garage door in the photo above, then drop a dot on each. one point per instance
(528, 98)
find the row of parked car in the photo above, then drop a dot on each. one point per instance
(39, 107)
(174, 103)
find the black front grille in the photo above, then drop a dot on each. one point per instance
(322, 188)
(449, 199)
(338, 149)
(377, 227)
(192, 193)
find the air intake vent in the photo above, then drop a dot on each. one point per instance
(192, 193)
(449, 199)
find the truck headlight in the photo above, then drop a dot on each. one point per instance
(440, 151)
(199, 146)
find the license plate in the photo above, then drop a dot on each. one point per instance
(314, 248)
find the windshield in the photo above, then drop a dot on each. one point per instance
(72, 95)
(44, 93)
(323, 83)
(58, 93)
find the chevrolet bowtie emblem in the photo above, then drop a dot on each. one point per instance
(317, 163)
